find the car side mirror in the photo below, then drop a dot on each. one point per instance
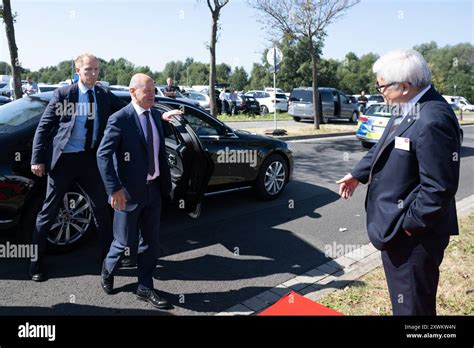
(228, 131)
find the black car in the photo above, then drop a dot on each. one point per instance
(248, 105)
(232, 160)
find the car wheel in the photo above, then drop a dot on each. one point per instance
(297, 119)
(263, 110)
(367, 145)
(72, 226)
(272, 177)
(354, 117)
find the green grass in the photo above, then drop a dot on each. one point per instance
(369, 295)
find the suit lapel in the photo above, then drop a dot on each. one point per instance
(407, 122)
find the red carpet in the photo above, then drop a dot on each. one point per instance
(295, 304)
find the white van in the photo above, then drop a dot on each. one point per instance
(461, 102)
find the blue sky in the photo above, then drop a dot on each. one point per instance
(153, 32)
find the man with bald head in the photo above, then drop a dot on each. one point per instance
(64, 149)
(133, 165)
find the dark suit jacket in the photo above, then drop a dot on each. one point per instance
(56, 124)
(123, 156)
(415, 189)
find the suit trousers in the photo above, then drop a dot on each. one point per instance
(142, 223)
(411, 266)
(71, 168)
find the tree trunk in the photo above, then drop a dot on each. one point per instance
(212, 67)
(10, 31)
(316, 109)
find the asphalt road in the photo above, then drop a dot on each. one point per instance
(239, 247)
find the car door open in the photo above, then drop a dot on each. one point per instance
(190, 164)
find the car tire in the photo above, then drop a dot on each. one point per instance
(367, 145)
(263, 110)
(81, 216)
(354, 117)
(297, 119)
(272, 177)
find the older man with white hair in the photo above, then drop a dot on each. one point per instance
(133, 164)
(412, 175)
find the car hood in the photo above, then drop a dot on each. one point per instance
(243, 134)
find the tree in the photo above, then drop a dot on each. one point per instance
(222, 73)
(198, 74)
(260, 77)
(304, 20)
(215, 6)
(9, 19)
(239, 79)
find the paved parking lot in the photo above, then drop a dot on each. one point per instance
(240, 247)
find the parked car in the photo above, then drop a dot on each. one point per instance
(4, 100)
(233, 160)
(47, 88)
(270, 90)
(203, 99)
(160, 92)
(465, 106)
(5, 89)
(374, 99)
(268, 102)
(334, 105)
(372, 124)
(248, 105)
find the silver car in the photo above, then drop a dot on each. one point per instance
(160, 92)
(335, 105)
(203, 99)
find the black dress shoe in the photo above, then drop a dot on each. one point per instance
(36, 271)
(106, 280)
(152, 297)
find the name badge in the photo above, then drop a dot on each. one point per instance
(402, 143)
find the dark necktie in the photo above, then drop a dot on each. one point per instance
(149, 140)
(90, 120)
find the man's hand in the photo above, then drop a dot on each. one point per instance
(118, 200)
(38, 169)
(347, 186)
(168, 115)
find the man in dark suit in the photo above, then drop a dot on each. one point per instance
(134, 168)
(413, 176)
(64, 147)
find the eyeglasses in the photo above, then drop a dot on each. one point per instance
(379, 87)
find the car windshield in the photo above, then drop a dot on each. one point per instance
(302, 95)
(22, 110)
(281, 96)
(381, 110)
(249, 99)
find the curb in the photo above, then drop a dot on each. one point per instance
(328, 277)
(328, 135)
(315, 136)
